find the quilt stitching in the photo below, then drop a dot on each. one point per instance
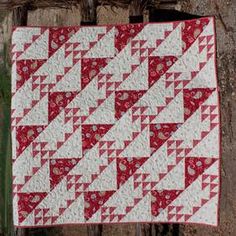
(115, 124)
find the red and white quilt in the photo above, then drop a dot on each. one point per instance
(114, 124)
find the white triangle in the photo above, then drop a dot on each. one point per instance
(54, 66)
(191, 196)
(173, 179)
(122, 130)
(106, 180)
(55, 203)
(190, 130)
(38, 115)
(208, 146)
(137, 80)
(71, 148)
(173, 112)
(86, 98)
(29, 221)
(15, 210)
(206, 77)
(139, 147)
(74, 213)
(104, 114)
(118, 199)
(38, 49)
(157, 163)
(23, 94)
(141, 211)
(207, 214)
(104, 47)
(22, 35)
(172, 45)
(39, 182)
(124, 60)
(23, 165)
(189, 61)
(213, 170)
(155, 96)
(209, 29)
(89, 164)
(71, 80)
(55, 131)
(96, 217)
(213, 100)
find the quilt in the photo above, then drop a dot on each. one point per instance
(115, 124)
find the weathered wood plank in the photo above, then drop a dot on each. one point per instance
(54, 17)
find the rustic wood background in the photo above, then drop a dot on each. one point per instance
(225, 12)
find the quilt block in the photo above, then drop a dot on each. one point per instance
(114, 124)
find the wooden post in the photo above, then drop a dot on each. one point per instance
(19, 18)
(20, 15)
(88, 12)
(94, 230)
(136, 10)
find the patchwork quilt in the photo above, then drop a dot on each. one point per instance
(114, 124)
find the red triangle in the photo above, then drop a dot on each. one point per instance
(193, 98)
(194, 167)
(133, 51)
(186, 217)
(209, 46)
(58, 101)
(27, 202)
(179, 216)
(212, 194)
(125, 34)
(128, 209)
(157, 66)
(191, 30)
(25, 69)
(111, 209)
(59, 168)
(170, 217)
(209, 37)
(161, 133)
(45, 219)
(167, 33)
(25, 135)
(125, 99)
(201, 47)
(179, 208)
(201, 38)
(104, 217)
(201, 65)
(94, 200)
(204, 185)
(158, 42)
(58, 37)
(213, 177)
(161, 199)
(136, 184)
(204, 201)
(126, 168)
(37, 220)
(162, 175)
(90, 67)
(91, 134)
(195, 209)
